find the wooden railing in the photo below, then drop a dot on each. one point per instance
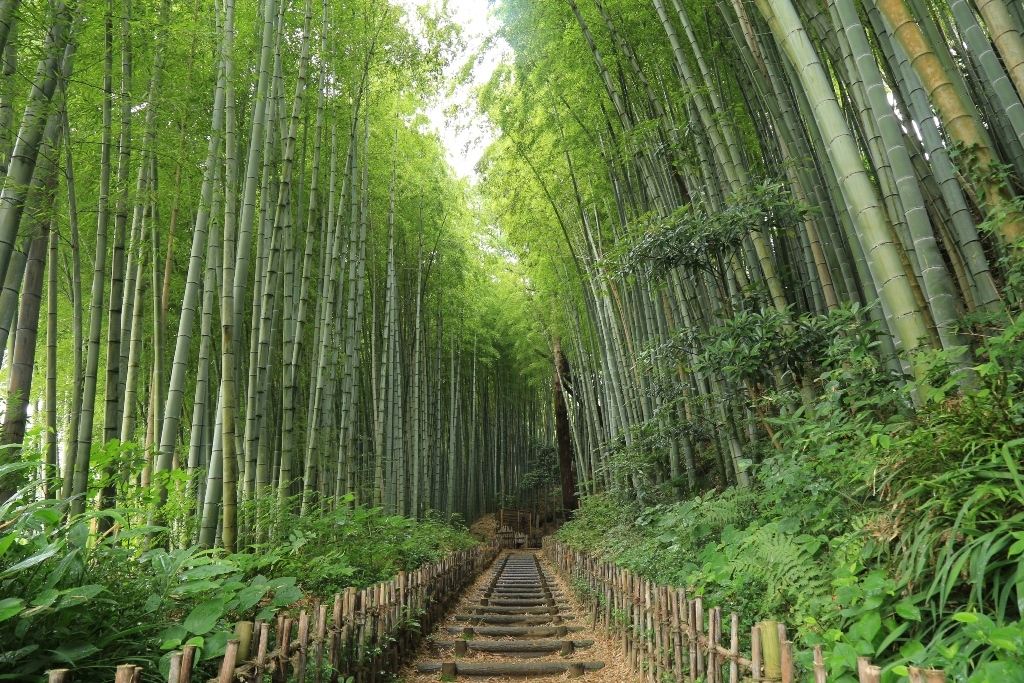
(668, 637)
(368, 635)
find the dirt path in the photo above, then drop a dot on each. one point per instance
(509, 609)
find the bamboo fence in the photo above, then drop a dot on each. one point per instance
(369, 633)
(665, 636)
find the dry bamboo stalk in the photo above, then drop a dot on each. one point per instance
(261, 651)
(934, 676)
(820, 675)
(691, 621)
(137, 674)
(284, 638)
(188, 657)
(714, 666)
(173, 669)
(300, 669)
(227, 665)
(124, 674)
(699, 612)
(279, 639)
(58, 675)
(755, 652)
(734, 647)
(679, 599)
(335, 643)
(788, 670)
(663, 620)
(647, 662)
(321, 631)
(867, 672)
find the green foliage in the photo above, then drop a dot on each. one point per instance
(357, 546)
(71, 599)
(698, 238)
(878, 528)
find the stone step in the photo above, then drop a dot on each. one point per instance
(575, 669)
(523, 602)
(501, 609)
(520, 619)
(503, 646)
(515, 631)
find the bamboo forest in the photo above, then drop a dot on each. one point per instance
(692, 327)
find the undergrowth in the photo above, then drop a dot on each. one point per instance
(888, 522)
(69, 599)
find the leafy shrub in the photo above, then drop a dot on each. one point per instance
(888, 522)
(72, 599)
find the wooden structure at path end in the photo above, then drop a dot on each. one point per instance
(516, 529)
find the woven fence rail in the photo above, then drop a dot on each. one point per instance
(665, 636)
(368, 634)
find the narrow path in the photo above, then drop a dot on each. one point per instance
(518, 621)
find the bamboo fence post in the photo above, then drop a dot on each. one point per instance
(771, 649)
(755, 652)
(699, 622)
(188, 656)
(661, 648)
(712, 664)
(321, 634)
(261, 652)
(279, 639)
(174, 668)
(125, 673)
(734, 647)
(644, 623)
(334, 648)
(284, 656)
(300, 669)
(868, 672)
(227, 665)
(635, 624)
(691, 630)
(676, 600)
(243, 631)
(821, 676)
(788, 670)
(58, 675)
(665, 599)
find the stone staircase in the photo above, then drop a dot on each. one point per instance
(516, 618)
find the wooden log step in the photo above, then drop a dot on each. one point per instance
(517, 631)
(520, 619)
(516, 645)
(525, 602)
(514, 600)
(506, 668)
(499, 609)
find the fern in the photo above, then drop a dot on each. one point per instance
(692, 522)
(784, 564)
(734, 507)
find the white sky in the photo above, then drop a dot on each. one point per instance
(463, 137)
